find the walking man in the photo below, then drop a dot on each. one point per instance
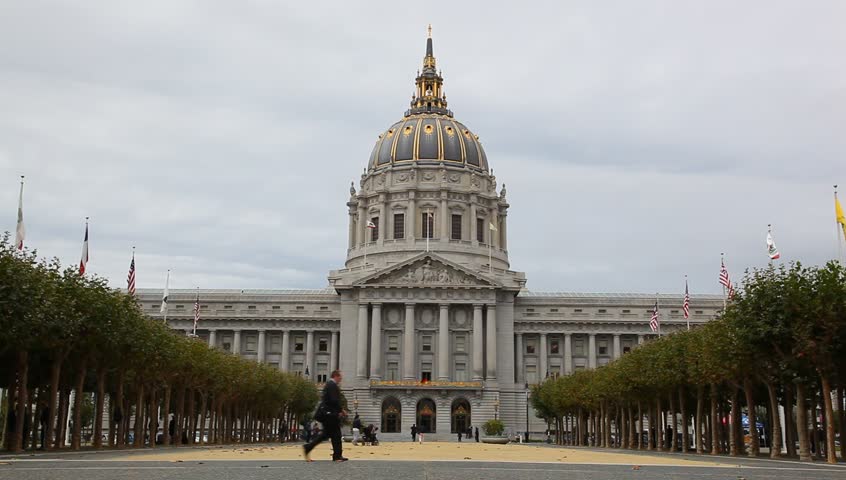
(330, 414)
(477, 434)
(414, 432)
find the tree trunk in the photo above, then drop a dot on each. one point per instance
(153, 415)
(202, 418)
(179, 416)
(52, 404)
(98, 415)
(192, 418)
(20, 408)
(139, 416)
(650, 442)
(659, 433)
(639, 426)
(699, 431)
(754, 443)
(715, 421)
(671, 423)
(124, 414)
(632, 428)
(842, 413)
(62, 418)
(76, 434)
(830, 450)
(685, 434)
(789, 425)
(735, 439)
(802, 424)
(166, 417)
(775, 440)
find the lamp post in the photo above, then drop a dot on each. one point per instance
(355, 404)
(496, 409)
(527, 412)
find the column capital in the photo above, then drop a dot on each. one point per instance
(443, 305)
(212, 329)
(478, 306)
(519, 334)
(376, 304)
(410, 304)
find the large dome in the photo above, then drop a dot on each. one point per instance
(425, 138)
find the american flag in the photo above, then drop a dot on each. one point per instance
(130, 279)
(196, 312)
(686, 305)
(83, 261)
(653, 322)
(725, 280)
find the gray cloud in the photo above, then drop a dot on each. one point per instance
(638, 141)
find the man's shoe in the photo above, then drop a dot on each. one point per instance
(305, 454)
(342, 459)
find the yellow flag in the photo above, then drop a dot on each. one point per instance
(838, 211)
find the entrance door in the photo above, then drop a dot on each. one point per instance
(426, 415)
(460, 415)
(391, 413)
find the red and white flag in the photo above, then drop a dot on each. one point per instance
(772, 251)
(83, 261)
(654, 322)
(725, 280)
(686, 305)
(197, 312)
(20, 231)
(130, 279)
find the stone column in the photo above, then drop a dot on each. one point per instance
(411, 221)
(473, 221)
(408, 366)
(212, 338)
(617, 351)
(443, 343)
(361, 227)
(521, 375)
(262, 340)
(236, 342)
(568, 354)
(361, 353)
(491, 342)
(285, 364)
(494, 235)
(376, 343)
(544, 369)
(640, 339)
(333, 354)
(444, 233)
(382, 223)
(352, 233)
(310, 353)
(592, 351)
(503, 232)
(478, 343)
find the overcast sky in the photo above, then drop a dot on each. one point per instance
(638, 140)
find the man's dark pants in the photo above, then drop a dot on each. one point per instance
(331, 430)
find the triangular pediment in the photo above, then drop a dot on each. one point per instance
(427, 270)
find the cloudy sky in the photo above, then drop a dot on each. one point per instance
(638, 140)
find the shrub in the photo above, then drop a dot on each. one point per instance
(493, 428)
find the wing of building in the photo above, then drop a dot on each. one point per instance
(428, 321)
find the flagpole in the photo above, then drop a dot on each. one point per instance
(770, 232)
(428, 218)
(366, 232)
(164, 305)
(196, 313)
(686, 296)
(722, 263)
(837, 229)
(20, 230)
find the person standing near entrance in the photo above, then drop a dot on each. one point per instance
(477, 434)
(459, 435)
(414, 432)
(329, 413)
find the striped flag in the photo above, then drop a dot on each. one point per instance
(130, 279)
(371, 224)
(772, 251)
(163, 308)
(654, 323)
(20, 230)
(83, 261)
(197, 311)
(686, 305)
(725, 281)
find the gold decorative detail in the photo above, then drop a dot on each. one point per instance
(426, 411)
(428, 129)
(391, 410)
(449, 130)
(390, 133)
(467, 134)
(460, 411)
(430, 384)
(407, 130)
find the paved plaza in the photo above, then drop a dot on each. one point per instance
(402, 461)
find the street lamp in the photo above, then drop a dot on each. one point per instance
(355, 404)
(527, 412)
(496, 409)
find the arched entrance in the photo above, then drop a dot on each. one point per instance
(460, 415)
(426, 416)
(391, 415)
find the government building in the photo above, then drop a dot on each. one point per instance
(427, 319)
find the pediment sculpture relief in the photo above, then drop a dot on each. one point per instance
(428, 273)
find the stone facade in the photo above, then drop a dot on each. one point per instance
(427, 320)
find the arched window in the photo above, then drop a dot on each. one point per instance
(391, 415)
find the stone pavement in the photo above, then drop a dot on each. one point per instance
(402, 461)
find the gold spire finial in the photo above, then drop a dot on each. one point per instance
(430, 30)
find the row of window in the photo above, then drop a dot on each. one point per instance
(459, 343)
(323, 308)
(275, 344)
(460, 373)
(603, 310)
(428, 223)
(579, 346)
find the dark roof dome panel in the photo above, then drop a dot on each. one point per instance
(451, 141)
(405, 141)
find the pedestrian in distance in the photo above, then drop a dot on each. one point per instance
(330, 414)
(477, 434)
(459, 435)
(414, 432)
